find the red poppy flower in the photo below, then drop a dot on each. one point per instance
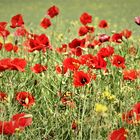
(90, 45)
(71, 64)
(15, 48)
(137, 20)
(8, 47)
(75, 43)
(96, 43)
(17, 123)
(64, 99)
(106, 51)
(104, 38)
(74, 125)
(118, 61)
(53, 11)
(85, 18)
(117, 38)
(132, 116)
(119, 134)
(42, 40)
(126, 33)
(86, 59)
(38, 42)
(103, 24)
(4, 33)
(1, 45)
(3, 96)
(62, 49)
(80, 78)
(7, 128)
(136, 110)
(129, 74)
(67, 102)
(18, 64)
(60, 69)
(89, 60)
(25, 98)
(96, 62)
(128, 117)
(5, 64)
(76, 51)
(99, 63)
(83, 42)
(22, 120)
(45, 23)
(75, 46)
(21, 31)
(38, 68)
(82, 31)
(17, 21)
(90, 29)
(3, 25)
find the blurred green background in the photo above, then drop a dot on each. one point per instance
(119, 13)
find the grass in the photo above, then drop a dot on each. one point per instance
(52, 119)
(119, 13)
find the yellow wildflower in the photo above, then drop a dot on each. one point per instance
(100, 108)
(106, 94)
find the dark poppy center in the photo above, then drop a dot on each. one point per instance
(119, 62)
(83, 80)
(22, 101)
(130, 117)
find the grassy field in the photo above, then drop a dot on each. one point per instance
(119, 13)
(91, 95)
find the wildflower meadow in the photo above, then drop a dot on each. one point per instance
(73, 80)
